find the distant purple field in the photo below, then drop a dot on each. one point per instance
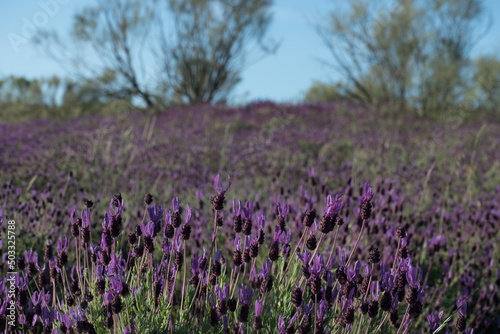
(436, 206)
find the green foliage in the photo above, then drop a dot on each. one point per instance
(408, 55)
(23, 99)
(322, 92)
(486, 79)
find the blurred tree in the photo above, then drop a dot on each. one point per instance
(487, 83)
(129, 49)
(204, 59)
(412, 54)
(323, 92)
(20, 90)
(22, 98)
(106, 47)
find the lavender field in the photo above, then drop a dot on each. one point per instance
(268, 218)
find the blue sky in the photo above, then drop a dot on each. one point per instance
(283, 76)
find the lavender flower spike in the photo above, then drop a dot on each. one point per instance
(317, 266)
(411, 276)
(236, 212)
(188, 214)
(322, 311)
(305, 258)
(434, 320)
(258, 308)
(244, 295)
(221, 293)
(62, 245)
(175, 204)
(462, 307)
(218, 200)
(155, 213)
(281, 325)
(367, 193)
(148, 229)
(220, 189)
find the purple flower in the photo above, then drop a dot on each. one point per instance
(175, 204)
(286, 237)
(330, 264)
(31, 257)
(106, 224)
(236, 212)
(314, 227)
(177, 243)
(72, 216)
(307, 309)
(62, 245)
(322, 310)
(387, 282)
(352, 274)
(93, 249)
(434, 320)
(64, 319)
(116, 285)
(366, 270)
(318, 265)
(333, 206)
(462, 307)
(199, 194)
(248, 210)
(220, 188)
(188, 214)
(155, 213)
(148, 229)
(3, 308)
(41, 269)
(258, 308)
(281, 325)
(108, 297)
(293, 319)
(329, 279)
(218, 255)
(115, 211)
(282, 210)
(395, 303)
(265, 269)
(244, 295)
(85, 219)
(237, 243)
(342, 254)
(129, 330)
(77, 314)
(195, 264)
(383, 268)
(261, 222)
(367, 193)
(48, 316)
(221, 293)
(310, 171)
(277, 234)
(411, 276)
(305, 258)
(159, 280)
